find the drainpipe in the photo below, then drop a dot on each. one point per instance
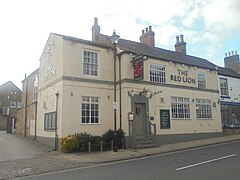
(26, 105)
(56, 135)
(120, 92)
(35, 129)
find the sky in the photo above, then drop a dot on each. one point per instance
(210, 27)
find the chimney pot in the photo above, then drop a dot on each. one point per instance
(150, 28)
(177, 39)
(147, 37)
(235, 52)
(180, 46)
(95, 30)
(232, 53)
(225, 54)
(229, 53)
(181, 37)
(95, 21)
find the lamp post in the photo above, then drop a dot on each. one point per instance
(114, 39)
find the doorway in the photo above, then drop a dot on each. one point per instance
(140, 118)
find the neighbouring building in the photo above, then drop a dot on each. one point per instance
(10, 103)
(164, 94)
(231, 61)
(27, 117)
(229, 87)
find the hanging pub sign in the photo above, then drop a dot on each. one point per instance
(138, 66)
(138, 70)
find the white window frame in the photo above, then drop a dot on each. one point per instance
(180, 108)
(86, 115)
(201, 80)
(203, 109)
(223, 89)
(49, 121)
(90, 64)
(157, 73)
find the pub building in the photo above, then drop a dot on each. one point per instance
(162, 96)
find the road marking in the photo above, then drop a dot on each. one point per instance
(205, 162)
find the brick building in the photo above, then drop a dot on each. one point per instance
(27, 116)
(10, 103)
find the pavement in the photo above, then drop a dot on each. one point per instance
(14, 147)
(51, 161)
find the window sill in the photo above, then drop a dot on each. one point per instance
(49, 130)
(90, 123)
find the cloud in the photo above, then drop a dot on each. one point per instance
(222, 16)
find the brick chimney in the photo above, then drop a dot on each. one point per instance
(95, 30)
(180, 46)
(147, 37)
(231, 61)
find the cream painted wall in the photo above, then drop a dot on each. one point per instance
(51, 62)
(47, 104)
(73, 60)
(71, 120)
(171, 69)
(50, 70)
(178, 126)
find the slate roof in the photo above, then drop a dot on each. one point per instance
(228, 72)
(104, 45)
(163, 54)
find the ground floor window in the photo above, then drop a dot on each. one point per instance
(90, 110)
(230, 116)
(49, 121)
(203, 108)
(180, 107)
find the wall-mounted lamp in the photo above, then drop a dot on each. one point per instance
(192, 100)
(130, 93)
(144, 92)
(154, 93)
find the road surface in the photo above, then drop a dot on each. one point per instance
(219, 162)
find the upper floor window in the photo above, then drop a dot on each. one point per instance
(201, 80)
(90, 110)
(90, 63)
(180, 107)
(203, 108)
(157, 73)
(223, 87)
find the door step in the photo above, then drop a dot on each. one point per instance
(145, 142)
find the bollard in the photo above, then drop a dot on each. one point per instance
(111, 144)
(89, 147)
(101, 144)
(123, 146)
